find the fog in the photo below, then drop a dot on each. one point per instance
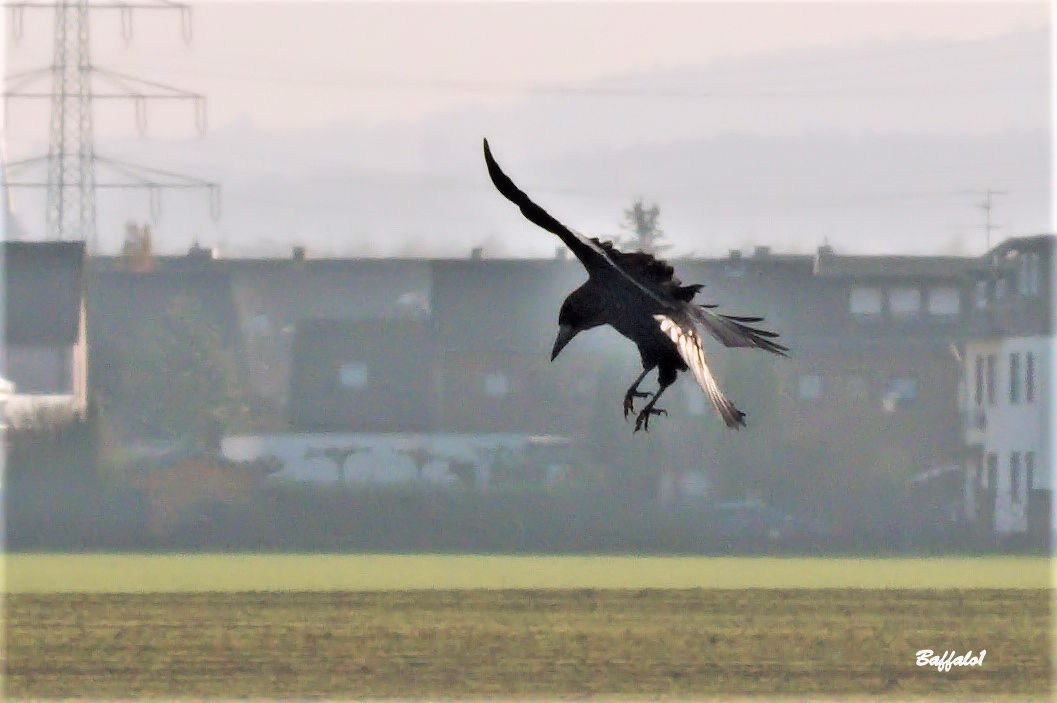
(309, 403)
(875, 127)
(354, 355)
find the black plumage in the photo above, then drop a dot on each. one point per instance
(638, 295)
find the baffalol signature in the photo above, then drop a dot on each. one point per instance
(949, 659)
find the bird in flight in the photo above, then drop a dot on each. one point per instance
(638, 295)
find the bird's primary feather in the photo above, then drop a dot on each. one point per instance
(595, 255)
(687, 339)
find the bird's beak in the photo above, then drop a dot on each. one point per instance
(565, 333)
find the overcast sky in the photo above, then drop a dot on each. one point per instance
(360, 93)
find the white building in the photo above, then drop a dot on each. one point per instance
(1009, 400)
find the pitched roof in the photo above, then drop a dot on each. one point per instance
(837, 266)
(43, 286)
(122, 302)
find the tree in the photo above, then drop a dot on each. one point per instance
(643, 225)
(138, 247)
(174, 377)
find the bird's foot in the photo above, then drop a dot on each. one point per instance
(629, 401)
(642, 421)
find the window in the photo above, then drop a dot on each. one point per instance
(904, 302)
(496, 385)
(991, 379)
(1014, 477)
(1029, 377)
(734, 270)
(38, 369)
(864, 301)
(992, 472)
(899, 393)
(943, 300)
(809, 387)
(1028, 275)
(980, 294)
(904, 388)
(1029, 471)
(259, 326)
(1034, 274)
(1001, 286)
(978, 394)
(353, 374)
(1014, 378)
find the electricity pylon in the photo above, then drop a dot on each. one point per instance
(71, 159)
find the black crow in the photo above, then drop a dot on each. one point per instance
(638, 295)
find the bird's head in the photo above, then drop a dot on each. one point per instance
(580, 311)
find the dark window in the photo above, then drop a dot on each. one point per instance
(992, 472)
(1029, 471)
(1029, 377)
(978, 396)
(1014, 377)
(990, 379)
(1014, 477)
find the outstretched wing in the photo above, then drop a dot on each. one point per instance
(648, 274)
(686, 335)
(588, 253)
(595, 256)
(736, 332)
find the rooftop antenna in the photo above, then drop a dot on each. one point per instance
(987, 205)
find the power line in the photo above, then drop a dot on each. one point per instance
(71, 160)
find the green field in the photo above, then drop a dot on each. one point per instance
(132, 573)
(484, 645)
(285, 626)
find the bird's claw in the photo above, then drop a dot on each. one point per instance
(643, 419)
(629, 401)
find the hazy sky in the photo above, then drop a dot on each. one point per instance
(297, 64)
(407, 88)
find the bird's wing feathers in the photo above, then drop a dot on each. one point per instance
(588, 252)
(594, 255)
(643, 266)
(649, 274)
(686, 336)
(735, 331)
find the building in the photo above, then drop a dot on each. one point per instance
(878, 387)
(45, 350)
(495, 322)
(880, 356)
(1008, 403)
(363, 376)
(273, 297)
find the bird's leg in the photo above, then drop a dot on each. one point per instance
(642, 421)
(634, 392)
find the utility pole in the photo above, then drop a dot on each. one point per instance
(71, 159)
